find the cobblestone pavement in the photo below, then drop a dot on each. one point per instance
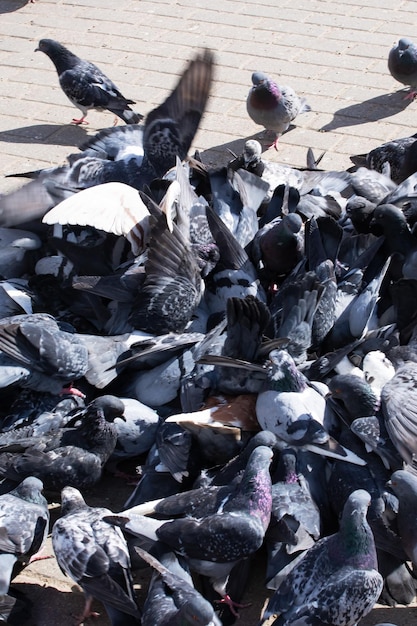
(333, 52)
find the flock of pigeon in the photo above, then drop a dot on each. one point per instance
(247, 333)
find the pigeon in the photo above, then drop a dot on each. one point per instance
(337, 581)
(24, 522)
(85, 85)
(214, 543)
(36, 353)
(295, 518)
(399, 154)
(172, 598)
(404, 484)
(273, 106)
(71, 456)
(172, 286)
(95, 555)
(399, 409)
(402, 64)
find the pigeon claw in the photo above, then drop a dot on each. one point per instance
(411, 95)
(233, 605)
(70, 390)
(87, 613)
(79, 121)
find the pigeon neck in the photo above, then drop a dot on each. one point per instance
(64, 60)
(358, 542)
(287, 378)
(266, 96)
(256, 489)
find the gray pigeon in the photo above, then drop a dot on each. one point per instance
(404, 485)
(402, 64)
(38, 354)
(24, 521)
(95, 555)
(273, 106)
(85, 85)
(337, 581)
(399, 408)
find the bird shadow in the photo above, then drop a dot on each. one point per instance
(53, 134)
(371, 110)
(47, 602)
(8, 6)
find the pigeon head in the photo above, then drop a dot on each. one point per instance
(111, 406)
(259, 78)
(264, 93)
(197, 610)
(252, 152)
(60, 56)
(30, 489)
(284, 374)
(403, 483)
(404, 43)
(71, 500)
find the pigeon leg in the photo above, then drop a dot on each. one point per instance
(39, 556)
(411, 95)
(232, 604)
(87, 611)
(71, 391)
(79, 121)
(115, 121)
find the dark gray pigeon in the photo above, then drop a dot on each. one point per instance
(337, 581)
(85, 85)
(71, 456)
(95, 555)
(214, 543)
(402, 64)
(400, 155)
(172, 598)
(273, 106)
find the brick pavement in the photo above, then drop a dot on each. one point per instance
(333, 52)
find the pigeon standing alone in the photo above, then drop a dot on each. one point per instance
(273, 106)
(85, 85)
(402, 64)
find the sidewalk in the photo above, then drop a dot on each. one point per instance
(332, 52)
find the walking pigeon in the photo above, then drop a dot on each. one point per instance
(273, 106)
(85, 85)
